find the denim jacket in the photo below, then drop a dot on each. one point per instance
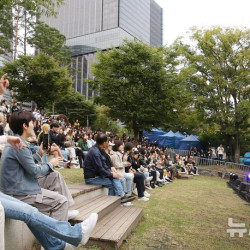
(19, 172)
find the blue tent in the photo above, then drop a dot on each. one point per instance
(190, 141)
(153, 134)
(177, 138)
(166, 139)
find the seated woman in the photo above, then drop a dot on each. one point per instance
(119, 164)
(139, 178)
(54, 149)
(70, 147)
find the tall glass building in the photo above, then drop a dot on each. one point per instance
(92, 25)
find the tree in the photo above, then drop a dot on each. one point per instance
(38, 78)
(22, 15)
(75, 107)
(6, 29)
(134, 84)
(50, 41)
(218, 74)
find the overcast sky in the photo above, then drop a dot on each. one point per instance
(180, 15)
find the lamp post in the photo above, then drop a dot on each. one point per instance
(88, 119)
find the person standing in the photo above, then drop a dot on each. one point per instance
(220, 151)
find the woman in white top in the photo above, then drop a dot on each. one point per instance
(120, 164)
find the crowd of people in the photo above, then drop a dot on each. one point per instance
(30, 184)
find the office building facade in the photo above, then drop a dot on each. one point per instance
(93, 25)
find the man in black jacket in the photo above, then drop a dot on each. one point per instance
(96, 171)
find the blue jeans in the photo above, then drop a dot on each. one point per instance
(127, 182)
(114, 185)
(51, 234)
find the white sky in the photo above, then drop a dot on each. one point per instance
(180, 15)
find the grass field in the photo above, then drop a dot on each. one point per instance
(186, 214)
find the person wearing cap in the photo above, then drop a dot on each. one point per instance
(96, 170)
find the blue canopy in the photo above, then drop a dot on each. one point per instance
(153, 134)
(166, 139)
(190, 141)
(179, 134)
(177, 138)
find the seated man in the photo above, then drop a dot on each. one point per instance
(96, 171)
(36, 184)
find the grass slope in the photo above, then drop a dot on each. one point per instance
(186, 214)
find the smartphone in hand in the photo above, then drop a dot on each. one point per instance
(45, 141)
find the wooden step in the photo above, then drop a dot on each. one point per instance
(101, 204)
(83, 192)
(115, 227)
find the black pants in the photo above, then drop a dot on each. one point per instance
(139, 181)
(81, 156)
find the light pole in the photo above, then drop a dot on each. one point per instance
(88, 119)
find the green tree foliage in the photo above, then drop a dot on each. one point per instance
(135, 85)
(104, 120)
(18, 18)
(217, 72)
(50, 41)
(6, 29)
(38, 78)
(75, 107)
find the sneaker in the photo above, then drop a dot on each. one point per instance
(65, 160)
(159, 180)
(60, 167)
(69, 247)
(143, 199)
(88, 226)
(135, 191)
(126, 199)
(148, 187)
(72, 214)
(127, 204)
(74, 162)
(146, 194)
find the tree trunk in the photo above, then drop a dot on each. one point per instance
(136, 129)
(25, 34)
(53, 108)
(237, 146)
(16, 32)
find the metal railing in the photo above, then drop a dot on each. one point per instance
(227, 166)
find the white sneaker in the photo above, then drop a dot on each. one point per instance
(148, 187)
(135, 191)
(72, 214)
(146, 194)
(74, 162)
(69, 247)
(143, 199)
(159, 180)
(88, 226)
(127, 204)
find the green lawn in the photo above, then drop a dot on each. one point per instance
(186, 214)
